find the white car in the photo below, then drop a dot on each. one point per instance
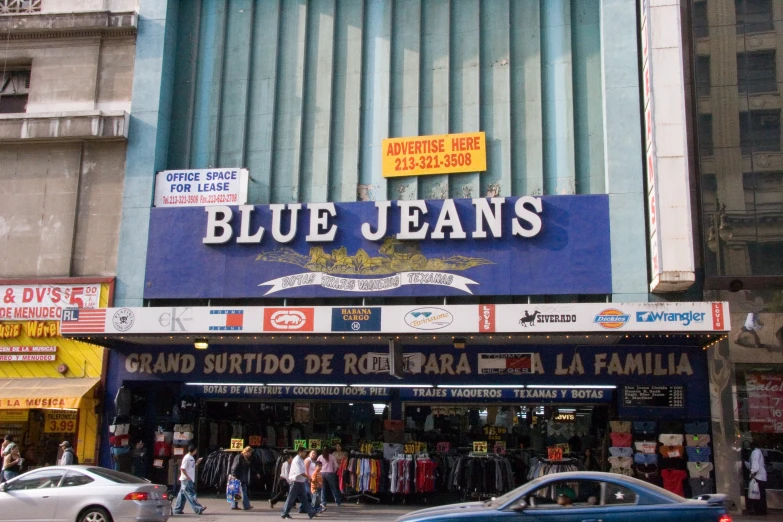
(82, 494)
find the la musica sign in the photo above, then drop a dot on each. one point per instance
(525, 222)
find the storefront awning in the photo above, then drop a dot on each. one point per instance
(47, 393)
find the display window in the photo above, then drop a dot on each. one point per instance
(39, 433)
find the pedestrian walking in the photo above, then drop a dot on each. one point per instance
(12, 462)
(68, 457)
(242, 469)
(298, 479)
(282, 484)
(139, 460)
(758, 472)
(329, 466)
(9, 438)
(187, 488)
(316, 485)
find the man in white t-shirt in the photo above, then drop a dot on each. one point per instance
(282, 484)
(297, 476)
(187, 480)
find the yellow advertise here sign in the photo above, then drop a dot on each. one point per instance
(441, 154)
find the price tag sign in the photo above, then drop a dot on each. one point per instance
(500, 448)
(315, 444)
(334, 442)
(377, 445)
(480, 446)
(300, 443)
(255, 440)
(443, 447)
(554, 453)
(237, 444)
(60, 421)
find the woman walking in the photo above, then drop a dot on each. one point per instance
(12, 462)
(329, 467)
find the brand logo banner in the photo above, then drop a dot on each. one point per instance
(356, 319)
(288, 319)
(483, 246)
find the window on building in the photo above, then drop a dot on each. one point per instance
(760, 131)
(700, 27)
(14, 89)
(20, 6)
(754, 16)
(756, 72)
(705, 134)
(702, 75)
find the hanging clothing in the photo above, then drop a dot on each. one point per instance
(672, 480)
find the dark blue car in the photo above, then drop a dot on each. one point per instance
(582, 497)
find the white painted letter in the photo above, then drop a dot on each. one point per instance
(531, 217)
(214, 223)
(383, 214)
(320, 221)
(493, 217)
(277, 211)
(410, 219)
(448, 217)
(244, 230)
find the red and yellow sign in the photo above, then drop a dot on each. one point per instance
(441, 154)
(60, 421)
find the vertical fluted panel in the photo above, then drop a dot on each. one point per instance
(261, 100)
(289, 93)
(558, 98)
(496, 94)
(464, 86)
(404, 90)
(185, 69)
(588, 95)
(317, 111)
(235, 79)
(526, 143)
(434, 91)
(346, 97)
(376, 64)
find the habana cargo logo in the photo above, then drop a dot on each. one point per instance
(611, 319)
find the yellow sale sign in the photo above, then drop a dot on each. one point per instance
(441, 154)
(60, 421)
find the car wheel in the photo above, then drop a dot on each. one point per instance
(94, 514)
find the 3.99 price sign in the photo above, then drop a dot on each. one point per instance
(60, 422)
(442, 154)
(765, 402)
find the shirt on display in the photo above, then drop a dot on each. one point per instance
(620, 426)
(621, 439)
(699, 469)
(672, 452)
(670, 439)
(700, 440)
(672, 480)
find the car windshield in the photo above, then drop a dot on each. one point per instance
(117, 476)
(514, 493)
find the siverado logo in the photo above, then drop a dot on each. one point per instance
(611, 318)
(686, 318)
(429, 318)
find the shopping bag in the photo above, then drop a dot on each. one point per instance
(233, 489)
(754, 493)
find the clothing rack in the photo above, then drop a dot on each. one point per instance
(362, 492)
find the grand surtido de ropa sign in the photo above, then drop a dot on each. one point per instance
(484, 246)
(201, 187)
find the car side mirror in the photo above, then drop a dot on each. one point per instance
(520, 506)
(3, 487)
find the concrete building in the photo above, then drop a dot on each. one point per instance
(66, 72)
(737, 71)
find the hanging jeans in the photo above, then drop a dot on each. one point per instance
(297, 493)
(187, 491)
(245, 500)
(330, 484)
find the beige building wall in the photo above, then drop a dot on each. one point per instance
(62, 162)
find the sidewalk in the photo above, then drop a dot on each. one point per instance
(218, 510)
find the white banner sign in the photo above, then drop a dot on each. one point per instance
(606, 318)
(22, 302)
(201, 187)
(377, 284)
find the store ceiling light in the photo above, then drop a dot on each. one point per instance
(378, 408)
(574, 386)
(224, 384)
(308, 384)
(201, 343)
(392, 385)
(481, 386)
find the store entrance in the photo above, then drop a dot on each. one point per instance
(484, 450)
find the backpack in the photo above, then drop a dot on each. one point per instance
(75, 458)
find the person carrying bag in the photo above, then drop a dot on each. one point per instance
(757, 487)
(241, 469)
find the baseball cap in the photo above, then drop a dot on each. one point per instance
(65, 444)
